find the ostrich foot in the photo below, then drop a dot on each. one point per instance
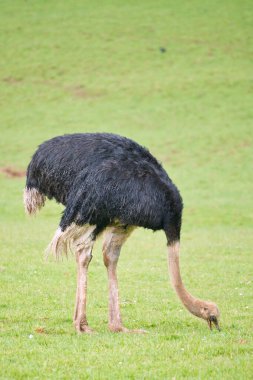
(116, 328)
(81, 326)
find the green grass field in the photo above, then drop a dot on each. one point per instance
(80, 66)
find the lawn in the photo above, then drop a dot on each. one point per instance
(177, 77)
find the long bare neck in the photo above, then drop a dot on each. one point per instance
(191, 303)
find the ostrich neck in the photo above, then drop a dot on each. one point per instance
(191, 303)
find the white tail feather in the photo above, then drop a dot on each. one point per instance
(73, 238)
(33, 200)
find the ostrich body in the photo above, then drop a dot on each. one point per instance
(108, 184)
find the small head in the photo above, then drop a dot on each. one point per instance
(210, 312)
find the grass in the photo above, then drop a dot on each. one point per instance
(97, 66)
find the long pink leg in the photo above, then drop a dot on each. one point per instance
(83, 258)
(114, 238)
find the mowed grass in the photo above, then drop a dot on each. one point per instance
(81, 66)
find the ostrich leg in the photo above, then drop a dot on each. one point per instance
(83, 258)
(114, 239)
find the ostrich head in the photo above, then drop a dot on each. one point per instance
(210, 312)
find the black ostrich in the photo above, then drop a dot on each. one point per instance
(108, 184)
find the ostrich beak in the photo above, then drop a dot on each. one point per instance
(214, 320)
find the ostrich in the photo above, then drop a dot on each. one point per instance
(109, 184)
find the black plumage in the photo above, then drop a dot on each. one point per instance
(104, 178)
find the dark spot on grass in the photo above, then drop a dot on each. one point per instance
(174, 337)
(12, 172)
(242, 341)
(40, 330)
(12, 80)
(152, 325)
(80, 91)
